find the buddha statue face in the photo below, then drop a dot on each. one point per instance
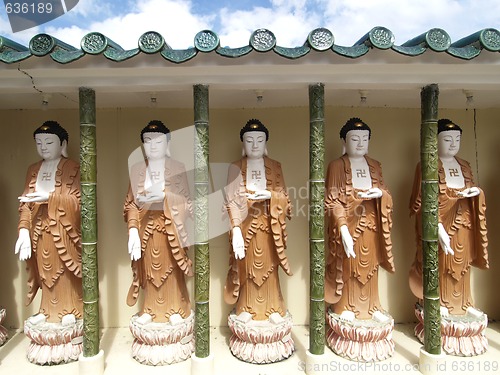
(448, 143)
(254, 144)
(155, 145)
(49, 146)
(356, 142)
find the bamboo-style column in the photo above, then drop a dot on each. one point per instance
(316, 218)
(201, 248)
(88, 178)
(429, 209)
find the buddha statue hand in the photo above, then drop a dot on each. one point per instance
(151, 197)
(347, 241)
(259, 195)
(38, 196)
(238, 243)
(134, 244)
(372, 193)
(23, 244)
(444, 240)
(469, 192)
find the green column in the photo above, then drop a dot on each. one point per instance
(429, 209)
(201, 248)
(88, 175)
(316, 218)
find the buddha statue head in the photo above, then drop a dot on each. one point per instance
(254, 136)
(449, 135)
(355, 135)
(155, 137)
(51, 140)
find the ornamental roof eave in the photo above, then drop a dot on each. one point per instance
(373, 63)
(261, 40)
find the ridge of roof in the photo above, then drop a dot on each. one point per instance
(261, 40)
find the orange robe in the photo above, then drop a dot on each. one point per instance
(465, 222)
(352, 283)
(164, 261)
(55, 265)
(253, 282)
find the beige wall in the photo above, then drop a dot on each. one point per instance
(395, 143)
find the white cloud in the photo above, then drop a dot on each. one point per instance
(350, 20)
(172, 19)
(87, 8)
(290, 20)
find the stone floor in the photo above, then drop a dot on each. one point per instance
(116, 343)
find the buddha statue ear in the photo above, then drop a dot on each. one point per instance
(343, 148)
(243, 153)
(265, 150)
(64, 151)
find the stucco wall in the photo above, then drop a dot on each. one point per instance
(395, 143)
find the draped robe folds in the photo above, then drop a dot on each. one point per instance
(162, 229)
(465, 222)
(352, 283)
(253, 282)
(55, 265)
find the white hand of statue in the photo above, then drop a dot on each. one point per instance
(134, 244)
(469, 192)
(23, 244)
(259, 195)
(39, 196)
(370, 193)
(347, 241)
(444, 240)
(238, 243)
(151, 197)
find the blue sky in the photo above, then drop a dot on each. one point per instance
(290, 20)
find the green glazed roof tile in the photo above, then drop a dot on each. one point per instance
(11, 52)
(261, 40)
(292, 53)
(321, 39)
(152, 42)
(179, 56)
(352, 52)
(206, 41)
(234, 52)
